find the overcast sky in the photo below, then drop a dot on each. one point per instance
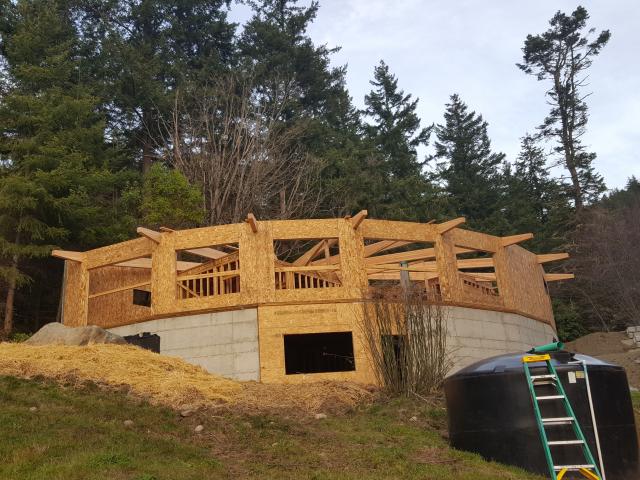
(436, 48)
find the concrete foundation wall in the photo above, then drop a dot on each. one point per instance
(224, 343)
(478, 334)
(228, 343)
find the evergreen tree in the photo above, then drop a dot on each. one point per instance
(394, 131)
(562, 55)
(55, 161)
(146, 50)
(468, 169)
(535, 201)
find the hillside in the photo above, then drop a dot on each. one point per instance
(69, 417)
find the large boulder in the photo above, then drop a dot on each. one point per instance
(58, 334)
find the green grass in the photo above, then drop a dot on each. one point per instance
(79, 434)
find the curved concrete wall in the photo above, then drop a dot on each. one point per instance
(228, 343)
(478, 334)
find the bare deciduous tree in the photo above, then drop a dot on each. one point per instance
(607, 265)
(234, 145)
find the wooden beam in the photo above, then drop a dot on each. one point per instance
(474, 240)
(418, 254)
(446, 226)
(146, 263)
(358, 218)
(208, 252)
(150, 234)
(119, 252)
(314, 251)
(166, 229)
(554, 277)
(513, 239)
(552, 257)
(69, 255)
(120, 289)
(253, 223)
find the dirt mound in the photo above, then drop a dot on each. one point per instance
(171, 381)
(612, 347)
(599, 343)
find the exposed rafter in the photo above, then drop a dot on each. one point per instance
(552, 257)
(446, 226)
(253, 223)
(150, 234)
(314, 251)
(513, 239)
(554, 277)
(69, 255)
(358, 218)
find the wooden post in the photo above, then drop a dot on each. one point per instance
(446, 261)
(352, 264)
(257, 262)
(163, 276)
(75, 306)
(504, 279)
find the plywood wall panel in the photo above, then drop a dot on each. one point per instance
(75, 304)
(276, 321)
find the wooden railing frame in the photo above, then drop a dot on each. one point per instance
(518, 273)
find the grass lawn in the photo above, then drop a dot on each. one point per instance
(80, 434)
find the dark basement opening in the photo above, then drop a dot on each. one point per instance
(319, 352)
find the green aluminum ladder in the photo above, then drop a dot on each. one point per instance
(589, 469)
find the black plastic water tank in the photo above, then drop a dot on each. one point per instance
(491, 413)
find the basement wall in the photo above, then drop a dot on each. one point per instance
(224, 343)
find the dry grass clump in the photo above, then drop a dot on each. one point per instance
(171, 381)
(315, 397)
(157, 378)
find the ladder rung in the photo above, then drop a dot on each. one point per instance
(550, 397)
(543, 377)
(558, 421)
(572, 467)
(566, 442)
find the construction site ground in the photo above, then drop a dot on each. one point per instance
(123, 413)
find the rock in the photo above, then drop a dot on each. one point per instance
(320, 416)
(633, 389)
(57, 334)
(128, 423)
(413, 419)
(629, 343)
(198, 429)
(33, 409)
(186, 413)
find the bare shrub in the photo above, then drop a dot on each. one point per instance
(245, 158)
(406, 338)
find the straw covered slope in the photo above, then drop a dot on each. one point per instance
(168, 381)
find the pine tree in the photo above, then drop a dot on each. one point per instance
(144, 51)
(536, 202)
(55, 161)
(395, 133)
(468, 168)
(562, 55)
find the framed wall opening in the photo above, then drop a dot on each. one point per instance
(208, 271)
(303, 264)
(319, 353)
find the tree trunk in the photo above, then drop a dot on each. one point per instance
(11, 293)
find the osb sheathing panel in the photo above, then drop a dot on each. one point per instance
(354, 273)
(450, 282)
(390, 230)
(303, 229)
(276, 321)
(521, 284)
(119, 252)
(75, 304)
(257, 264)
(474, 240)
(206, 237)
(163, 275)
(115, 309)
